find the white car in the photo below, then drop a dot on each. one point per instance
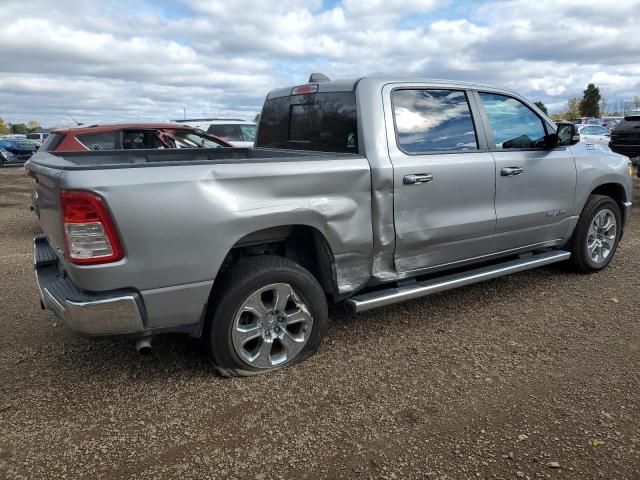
(38, 137)
(238, 133)
(594, 134)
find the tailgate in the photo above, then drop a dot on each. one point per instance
(46, 203)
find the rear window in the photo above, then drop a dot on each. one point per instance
(52, 142)
(33, 136)
(324, 122)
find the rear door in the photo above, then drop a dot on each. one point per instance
(535, 186)
(444, 177)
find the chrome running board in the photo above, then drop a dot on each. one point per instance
(367, 301)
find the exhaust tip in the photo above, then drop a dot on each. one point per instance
(143, 346)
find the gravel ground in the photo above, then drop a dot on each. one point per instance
(529, 376)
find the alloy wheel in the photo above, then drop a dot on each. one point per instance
(271, 327)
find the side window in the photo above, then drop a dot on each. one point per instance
(228, 132)
(99, 141)
(514, 125)
(433, 121)
(140, 139)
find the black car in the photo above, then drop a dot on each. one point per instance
(625, 138)
(16, 151)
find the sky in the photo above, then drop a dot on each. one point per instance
(115, 60)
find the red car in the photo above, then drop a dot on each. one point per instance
(126, 136)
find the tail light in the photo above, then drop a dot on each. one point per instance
(88, 229)
(304, 89)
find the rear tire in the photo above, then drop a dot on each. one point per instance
(270, 312)
(596, 237)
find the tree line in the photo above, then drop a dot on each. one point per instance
(20, 128)
(593, 104)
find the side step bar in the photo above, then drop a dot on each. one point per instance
(367, 301)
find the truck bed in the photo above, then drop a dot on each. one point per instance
(99, 160)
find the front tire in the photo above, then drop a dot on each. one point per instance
(270, 312)
(597, 234)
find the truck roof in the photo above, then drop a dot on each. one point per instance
(345, 85)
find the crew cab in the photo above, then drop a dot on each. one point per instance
(368, 191)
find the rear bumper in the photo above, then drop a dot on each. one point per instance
(88, 313)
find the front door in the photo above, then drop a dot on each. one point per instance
(535, 186)
(444, 178)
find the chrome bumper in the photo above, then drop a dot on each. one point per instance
(627, 213)
(88, 313)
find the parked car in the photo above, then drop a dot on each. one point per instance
(625, 138)
(610, 124)
(237, 132)
(13, 136)
(16, 151)
(594, 134)
(368, 191)
(127, 136)
(38, 137)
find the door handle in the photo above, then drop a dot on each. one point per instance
(417, 178)
(511, 171)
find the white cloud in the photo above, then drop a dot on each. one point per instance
(116, 60)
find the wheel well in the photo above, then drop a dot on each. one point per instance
(302, 244)
(613, 190)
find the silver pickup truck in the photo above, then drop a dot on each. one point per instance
(368, 191)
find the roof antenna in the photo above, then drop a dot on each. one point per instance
(318, 77)
(77, 122)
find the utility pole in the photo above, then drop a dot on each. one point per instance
(184, 112)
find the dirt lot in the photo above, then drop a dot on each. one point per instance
(498, 380)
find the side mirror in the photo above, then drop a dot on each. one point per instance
(567, 134)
